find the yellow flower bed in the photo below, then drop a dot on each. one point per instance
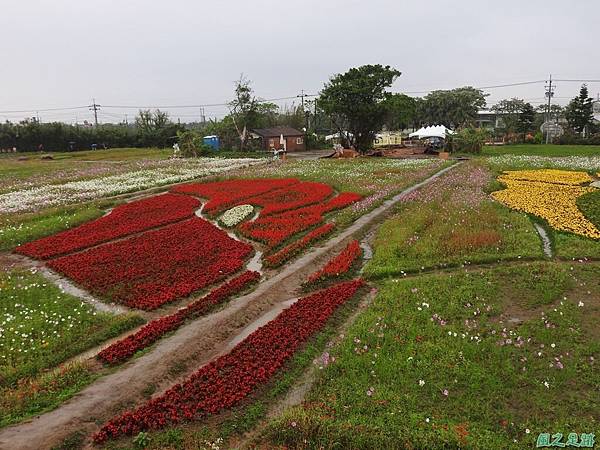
(549, 176)
(553, 200)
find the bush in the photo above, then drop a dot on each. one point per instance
(571, 138)
(468, 140)
(191, 144)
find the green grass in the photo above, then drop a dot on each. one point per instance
(19, 228)
(419, 238)
(542, 150)
(589, 205)
(43, 326)
(43, 393)
(452, 384)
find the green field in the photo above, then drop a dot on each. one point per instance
(459, 360)
(41, 327)
(542, 150)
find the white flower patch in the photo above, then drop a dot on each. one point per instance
(76, 191)
(235, 215)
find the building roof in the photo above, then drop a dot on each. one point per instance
(277, 131)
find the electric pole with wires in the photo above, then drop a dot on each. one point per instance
(95, 107)
(549, 93)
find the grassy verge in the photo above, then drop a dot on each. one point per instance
(460, 360)
(41, 326)
(20, 228)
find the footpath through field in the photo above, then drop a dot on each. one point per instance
(172, 359)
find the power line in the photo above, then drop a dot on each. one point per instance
(42, 110)
(521, 83)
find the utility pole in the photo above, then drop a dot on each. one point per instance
(95, 107)
(549, 94)
(302, 95)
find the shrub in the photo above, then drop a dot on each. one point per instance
(468, 140)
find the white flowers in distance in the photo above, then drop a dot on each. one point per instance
(235, 215)
(74, 191)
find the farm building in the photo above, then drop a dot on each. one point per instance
(278, 138)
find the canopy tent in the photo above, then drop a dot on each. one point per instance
(439, 131)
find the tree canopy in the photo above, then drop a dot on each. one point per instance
(579, 112)
(401, 111)
(355, 102)
(454, 108)
(509, 111)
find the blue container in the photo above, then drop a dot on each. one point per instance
(212, 141)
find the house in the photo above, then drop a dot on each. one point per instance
(387, 139)
(277, 138)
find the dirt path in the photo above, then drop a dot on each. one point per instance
(172, 359)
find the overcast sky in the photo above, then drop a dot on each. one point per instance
(63, 53)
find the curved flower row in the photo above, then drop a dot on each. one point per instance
(230, 378)
(548, 176)
(235, 215)
(228, 193)
(556, 203)
(338, 265)
(276, 228)
(158, 266)
(154, 330)
(291, 197)
(124, 220)
(278, 258)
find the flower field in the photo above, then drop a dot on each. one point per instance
(434, 362)
(451, 221)
(287, 206)
(551, 195)
(157, 267)
(230, 378)
(124, 220)
(77, 191)
(42, 326)
(154, 330)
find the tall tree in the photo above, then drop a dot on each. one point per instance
(355, 102)
(509, 111)
(526, 120)
(401, 111)
(244, 110)
(455, 108)
(579, 111)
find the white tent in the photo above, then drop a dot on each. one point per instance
(439, 131)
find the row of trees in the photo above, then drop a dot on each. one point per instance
(355, 104)
(151, 129)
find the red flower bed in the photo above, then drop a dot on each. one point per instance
(229, 379)
(291, 197)
(276, 259)
(158, 266)
(122, 221)
(338, 265)
(154, 330)
(229, 193)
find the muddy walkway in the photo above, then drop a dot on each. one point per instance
(173, 358)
